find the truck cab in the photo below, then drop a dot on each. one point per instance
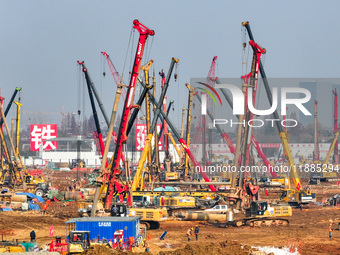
(217, 209)
(118, 209)
(79, 241)
(263, 209)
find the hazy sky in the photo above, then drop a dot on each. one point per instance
(41, 42)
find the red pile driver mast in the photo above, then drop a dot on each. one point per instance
(258, 51)
(316, 135)
(165, 125)
(210, 81)
(114, 183)
(336, 150)
(118, 80)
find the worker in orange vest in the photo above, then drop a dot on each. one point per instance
(189, 233)
(44, 208)
(146, 246)
(330, 230)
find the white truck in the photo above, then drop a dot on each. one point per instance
(217, 209)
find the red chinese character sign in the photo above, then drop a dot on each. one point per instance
(40, 135)
(141, 137)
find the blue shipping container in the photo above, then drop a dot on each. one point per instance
(106, 226)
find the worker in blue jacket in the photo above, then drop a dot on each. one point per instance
(197, 230)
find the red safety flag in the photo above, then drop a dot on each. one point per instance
(298, 186)
(51, 230)
(266, 192)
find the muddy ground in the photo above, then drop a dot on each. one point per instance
(308, 230)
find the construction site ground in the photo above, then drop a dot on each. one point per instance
(308, 230)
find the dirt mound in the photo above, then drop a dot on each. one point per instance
(103, 250)
(227, 247)
(320, 248)
(98, 250)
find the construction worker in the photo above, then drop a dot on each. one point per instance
(44, 209)
(189, 233)
(32, 235)
(146, 246)
(330, 230)
(197, 230)
(115, 210)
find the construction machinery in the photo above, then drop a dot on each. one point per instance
(79, 241)
(115, 75)
(9, 167)
(12, 172)
(77, 163)
(112, 177)
(328, 169)
(188, 129)
(148, 169)
(150, 135)
(321, 171)
(10, 103)
(42, 189)
(181, 141)
(8, 247)
(97, 134)
(260, 213)
(149, 216)
(336, 149)
(101, 179)
(299, 194)
(32, 181)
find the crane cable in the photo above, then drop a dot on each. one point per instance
(127, 50)
(148, 49)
